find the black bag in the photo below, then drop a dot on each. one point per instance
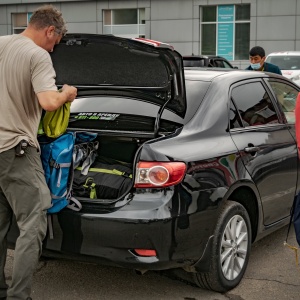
(103, 180)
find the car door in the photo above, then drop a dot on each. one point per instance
(266, 146)
(286, 94)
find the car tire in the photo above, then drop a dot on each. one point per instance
(230, 250)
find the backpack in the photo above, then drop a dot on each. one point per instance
(57, 156)
(58, 159)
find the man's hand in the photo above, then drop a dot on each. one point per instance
(70, 91)
(52, 100)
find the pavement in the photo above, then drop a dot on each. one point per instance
(272, 274)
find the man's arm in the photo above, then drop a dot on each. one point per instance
(279, 71)
(52, 100)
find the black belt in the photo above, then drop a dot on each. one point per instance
(20, 148)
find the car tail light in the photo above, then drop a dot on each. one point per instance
(159, 174)
(145, 252)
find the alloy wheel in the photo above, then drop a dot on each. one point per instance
(233, 250)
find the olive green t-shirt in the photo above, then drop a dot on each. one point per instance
(25, 70)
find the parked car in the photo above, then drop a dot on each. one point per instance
(213, 156)
(288, 62)
(207, 61)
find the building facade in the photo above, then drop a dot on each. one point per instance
(223, 27)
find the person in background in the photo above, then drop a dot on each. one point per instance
(27, 86)
(257, 61)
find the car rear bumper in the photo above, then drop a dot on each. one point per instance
(179, 238)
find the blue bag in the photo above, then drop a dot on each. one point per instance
(56, 157)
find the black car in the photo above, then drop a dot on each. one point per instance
(210, 61)
(213, 156)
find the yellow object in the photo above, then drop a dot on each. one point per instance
(296, 251)
(55, 123)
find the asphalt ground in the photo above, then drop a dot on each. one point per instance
(272, 274)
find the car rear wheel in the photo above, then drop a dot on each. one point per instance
(230, 250)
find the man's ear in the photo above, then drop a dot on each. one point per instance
(50, 31)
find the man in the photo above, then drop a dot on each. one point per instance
(27, 85)
(257, 60)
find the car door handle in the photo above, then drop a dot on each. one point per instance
(251, 149)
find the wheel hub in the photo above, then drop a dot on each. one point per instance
(234, 247)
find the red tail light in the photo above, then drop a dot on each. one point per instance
(145, 252)
(159, 174)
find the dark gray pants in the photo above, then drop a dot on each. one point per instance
(24, 193)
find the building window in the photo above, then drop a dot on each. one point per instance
(20, 21)
(225, 31)
(124, 22)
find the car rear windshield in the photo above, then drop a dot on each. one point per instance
(193, 62)
(285, 62)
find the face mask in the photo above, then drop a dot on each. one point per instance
(255, 66)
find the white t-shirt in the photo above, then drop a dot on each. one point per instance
(25, 70)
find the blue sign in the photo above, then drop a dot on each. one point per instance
(225, 31)
(225, 13)
(29, 16)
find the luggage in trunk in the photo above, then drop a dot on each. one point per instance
(108, 174)
(108, 180)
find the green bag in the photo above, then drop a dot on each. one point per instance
(55, 123)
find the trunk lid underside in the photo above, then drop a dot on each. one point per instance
(109, 64)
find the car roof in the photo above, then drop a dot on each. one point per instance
(283, 53)
(202, 56)
(209, 74)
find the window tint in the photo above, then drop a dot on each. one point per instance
(209, 39)
(193, 62)
(219, 64)
(226, 65)
(209, 13)
(286, 96)
(234, 117)
(242, 12)
(254, 104)
(242, 41)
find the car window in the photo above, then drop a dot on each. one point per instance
(234, 117)
(285, 62)
(254, 104)
(193, 62)
(227, 65)
(219, 63)
(286, 96)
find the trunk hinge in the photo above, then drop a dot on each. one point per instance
(158, 117)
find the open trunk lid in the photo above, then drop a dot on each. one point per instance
(113, 65)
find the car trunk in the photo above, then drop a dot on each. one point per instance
(130, 91)
(121, 133)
